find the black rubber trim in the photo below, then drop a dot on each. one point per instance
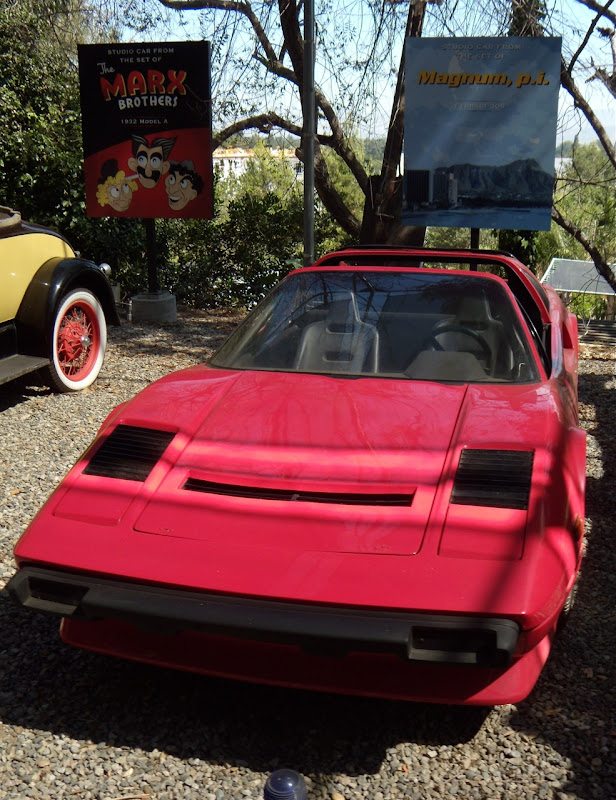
(326, 630)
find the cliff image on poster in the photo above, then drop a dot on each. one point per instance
(147, 131)
(480, 131)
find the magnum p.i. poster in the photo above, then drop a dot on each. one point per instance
(147, 131)
(480, 131)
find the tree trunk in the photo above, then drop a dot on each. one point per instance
(382, 220)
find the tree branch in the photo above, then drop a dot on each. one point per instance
(383, 199)
(586, 39)
(608, 79)
(325, 188)
(289, 22)
(289, 14)
(262, 122)
(331, 199)
(580, 102)
(603, 268)
(600, 9)
(228, 5)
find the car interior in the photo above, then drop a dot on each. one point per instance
(389, 325)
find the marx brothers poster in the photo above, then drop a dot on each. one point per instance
(146, 120)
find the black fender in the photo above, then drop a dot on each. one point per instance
(57, 277)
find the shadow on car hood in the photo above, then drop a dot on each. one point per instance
(309, 461)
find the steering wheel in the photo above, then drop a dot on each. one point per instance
(432, 342)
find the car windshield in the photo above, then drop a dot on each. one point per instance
(422, 325)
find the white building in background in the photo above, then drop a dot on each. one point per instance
(234, 160)
(231, 160)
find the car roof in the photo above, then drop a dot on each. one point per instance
(523, 284)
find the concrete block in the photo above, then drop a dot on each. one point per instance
(153, 307)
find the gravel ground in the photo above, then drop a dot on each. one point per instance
(77, 725)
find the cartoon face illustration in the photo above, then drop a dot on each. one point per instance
(182, 184)
(149, 160)
(114, 189)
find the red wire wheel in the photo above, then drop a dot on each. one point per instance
(79, 341)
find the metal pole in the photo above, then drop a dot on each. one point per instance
(151, 256)
(309, 131)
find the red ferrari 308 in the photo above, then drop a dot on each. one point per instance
(375, 486)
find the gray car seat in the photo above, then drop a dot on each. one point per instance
(341, 342)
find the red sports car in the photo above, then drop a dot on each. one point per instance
(375, 486)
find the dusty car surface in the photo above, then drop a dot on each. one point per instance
(375, 486)
(54, 307)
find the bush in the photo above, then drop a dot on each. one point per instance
(235, 259)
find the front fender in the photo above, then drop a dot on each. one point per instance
(56, 277)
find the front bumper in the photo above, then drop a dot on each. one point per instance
(315, 629)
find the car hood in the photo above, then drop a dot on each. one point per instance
(309, 462)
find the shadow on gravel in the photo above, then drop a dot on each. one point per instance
(88, 697)
(198, 332)
(22, 389)
(573, 707)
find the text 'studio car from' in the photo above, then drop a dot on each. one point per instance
(54, 307)
(375, 486)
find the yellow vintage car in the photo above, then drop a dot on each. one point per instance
(54, 306)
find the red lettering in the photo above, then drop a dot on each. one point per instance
(136, 83)
(156, 82)
(117, 88)
(176, 81)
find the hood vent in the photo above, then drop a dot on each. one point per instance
(339, 498)
(495, 478)
(129, 452)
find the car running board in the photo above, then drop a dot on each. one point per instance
(14, 366)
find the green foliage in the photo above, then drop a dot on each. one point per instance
(373, 154)
(118, 242)
(459, 237)
(565, 149)
(235, 259)
(254, 240)
(587, 306)
(41, 171)
(586, 194)
(345, 183)
(521, 244)
(267, 172)
(39, 126)
(328, 235)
